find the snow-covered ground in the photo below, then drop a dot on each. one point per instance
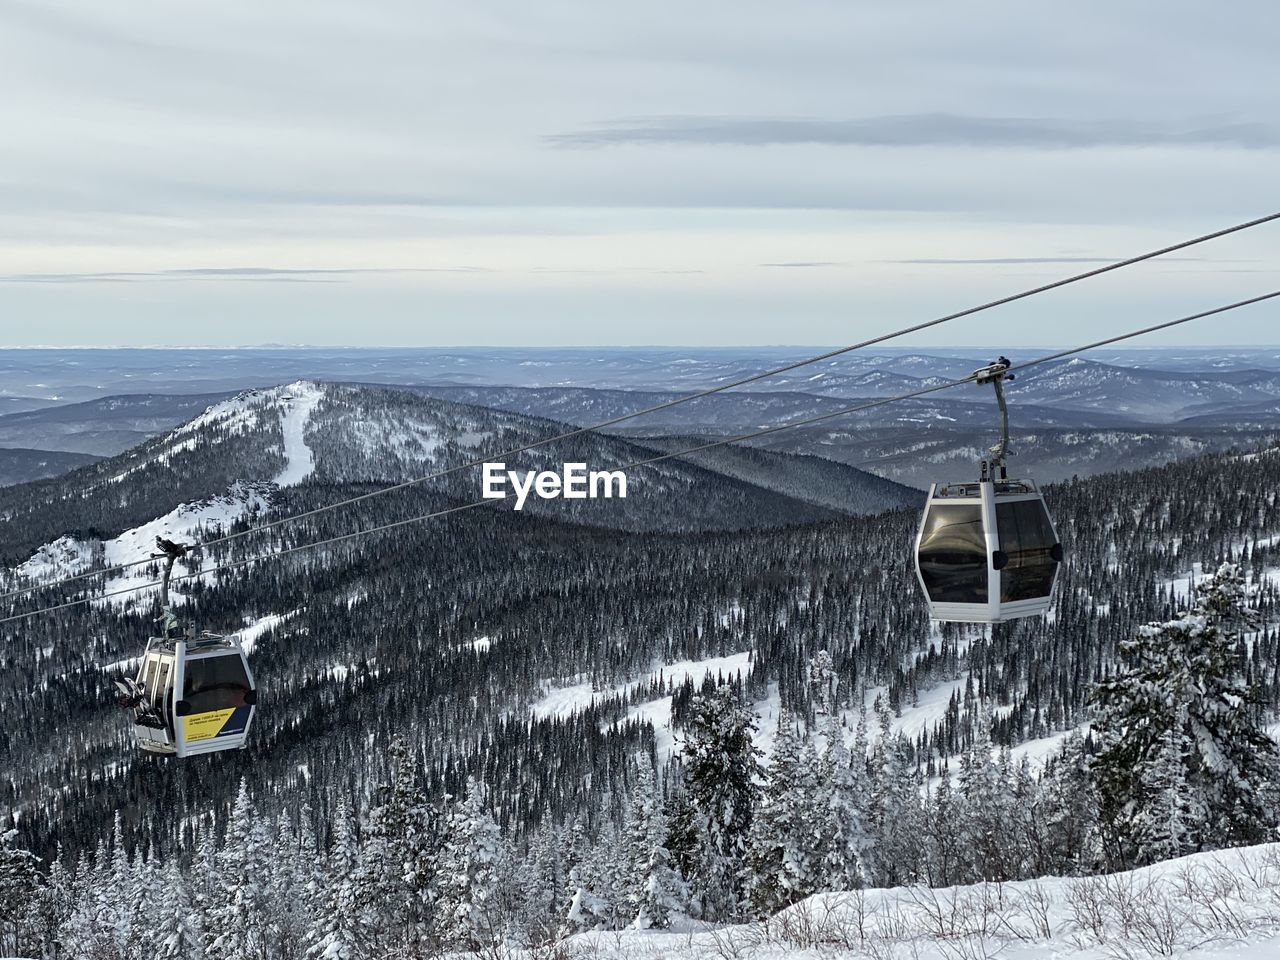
(1217, 906)
(565, 701)
(568, 700)
(189, 522)
(250, 635)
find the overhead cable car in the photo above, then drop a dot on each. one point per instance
(987, 551)
(193, 694)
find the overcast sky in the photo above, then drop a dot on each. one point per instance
(742, 172)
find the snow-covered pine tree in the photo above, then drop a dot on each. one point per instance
(591, 906)
(20, 883)
(237, 912)
(79, 934)
(286, 889)
(396, 883)
(540, 879)
(55, 903)
(580, 908)
(665, 893)
(310, 870)
(1071, 843)
(337, 931)
(654, 889)
(983, 805)
(1184, 676)
(945, 860)
(784, 862)
(140, 906)
(709, 832)
(116, 892)
(841, 801)
(824, 683)
(468, 879)
(177, 933)
(1174, 820)
(897, 810)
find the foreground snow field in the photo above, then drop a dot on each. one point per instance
(1223, 905)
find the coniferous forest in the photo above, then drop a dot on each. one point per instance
(408, 790)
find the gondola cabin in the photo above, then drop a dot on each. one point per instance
(986, 551)
(194, 696)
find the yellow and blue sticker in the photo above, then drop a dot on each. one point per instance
(215, 723)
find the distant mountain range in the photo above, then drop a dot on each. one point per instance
(264, 441)
(1080, 416)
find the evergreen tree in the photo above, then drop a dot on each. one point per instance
(79, 935)
(1173, 820)
(897, 810)
(20, 883)
(985, 808)
(117, 892)
(1071, 838)
(397, 879)
(287, 889)
(178, 932)
(653, 888)
(468, 876)
(56, 902)
(841, 800)
(338, 931)
(784, 860)
(945, 858)
(237, 914)
(720, 770)
(541, 877)
(1185, 763)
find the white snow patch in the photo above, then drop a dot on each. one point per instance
(566, 701)
(1142, 913)
(63, 557)
(250, 635)
(187, 523)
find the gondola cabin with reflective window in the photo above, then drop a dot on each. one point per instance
(192, 696)
(987, 551)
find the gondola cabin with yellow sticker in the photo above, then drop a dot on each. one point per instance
(192, 696)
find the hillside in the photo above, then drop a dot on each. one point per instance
(22, 466)
(102, 427)
(539, 657)
(451, 626)
(326, 437)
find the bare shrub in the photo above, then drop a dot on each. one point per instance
(737, 943)
(943, 914)
(1035, 904)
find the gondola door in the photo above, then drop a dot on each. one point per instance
(215, 707)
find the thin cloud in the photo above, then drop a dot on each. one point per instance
(921, 130)
(1008, 260)
(804, 263)
(241, 274)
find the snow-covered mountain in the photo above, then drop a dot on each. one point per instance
(241, 455)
